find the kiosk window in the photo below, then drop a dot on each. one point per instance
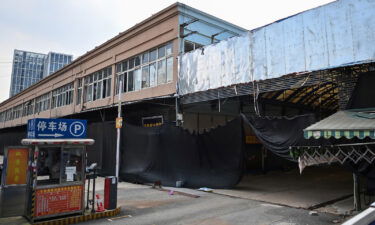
(49, 162)
(71, 164)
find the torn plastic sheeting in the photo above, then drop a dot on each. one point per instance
(333, 35)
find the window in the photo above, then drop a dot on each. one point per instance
(17, 111)
(62, 96)
(2, 116)
(72, 162)
(79, 91)
(131, 81)
(146, 70)
(28, 108)
(48, 164)
(162, 76)
(152, 74)
(169, 69)
(42, 103)
(145, 77)
(98, 85)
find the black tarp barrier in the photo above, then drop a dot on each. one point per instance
(277, 134)
(363, 97)
(103, 151)
(168, 154)
(363, 93)
(11, 137)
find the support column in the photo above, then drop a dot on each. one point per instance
(356, 192)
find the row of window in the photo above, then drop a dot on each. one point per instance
(97, 85)
(60, 97)
(149, 69)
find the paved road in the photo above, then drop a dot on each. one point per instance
(150, 206)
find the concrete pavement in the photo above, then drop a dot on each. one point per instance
(151, 206)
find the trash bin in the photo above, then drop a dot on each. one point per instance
(110, 192)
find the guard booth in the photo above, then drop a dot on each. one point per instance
(45, 177)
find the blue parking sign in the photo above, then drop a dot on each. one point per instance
(56, 128)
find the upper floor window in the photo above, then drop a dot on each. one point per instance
(28, 108)
(17, 111)
(98, 85)
(149, 69)
(42, 102)
(79, 91)
(62, 96)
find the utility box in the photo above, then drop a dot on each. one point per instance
(110, 192)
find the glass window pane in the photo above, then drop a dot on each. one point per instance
(104, 92)
(138, 60)
(124, 65)
(131, 81)
(145, 77)
(108, 89)
(162, 78)
(131, 63)
(152, 74)
(145, 58)
(161, 52)
(124, 82)
(169, 48)
(48, 165)
(169, 69)
(137, 79)
(99, 90)
(118, 78)
(72, 164)
(153, 55)
(118, 67)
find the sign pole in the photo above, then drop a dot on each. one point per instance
(118, 132)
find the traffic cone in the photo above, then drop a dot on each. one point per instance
(99, 203)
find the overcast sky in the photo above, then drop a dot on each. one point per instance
(77, 26)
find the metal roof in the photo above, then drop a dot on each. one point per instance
(358, 123)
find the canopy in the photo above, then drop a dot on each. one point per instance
(358, 123)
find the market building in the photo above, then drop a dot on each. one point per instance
(186, 68)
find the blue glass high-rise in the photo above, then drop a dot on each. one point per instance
(30, 67)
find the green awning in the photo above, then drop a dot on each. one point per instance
(358, 123)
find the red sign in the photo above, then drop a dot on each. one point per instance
(52, 201)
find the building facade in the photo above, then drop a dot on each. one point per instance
(55, 61)
(139, 64)
(29, 68)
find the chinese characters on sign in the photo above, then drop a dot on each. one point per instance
(17, 166)
(56, 128)
(59, 200)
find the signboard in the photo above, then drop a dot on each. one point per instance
(118, 122)
(153, 121)
(250, 139)
(16, 171)
(53, 201)
(56, 128)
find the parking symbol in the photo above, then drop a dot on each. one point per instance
(77, 128)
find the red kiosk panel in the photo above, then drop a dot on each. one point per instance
(52, 201)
